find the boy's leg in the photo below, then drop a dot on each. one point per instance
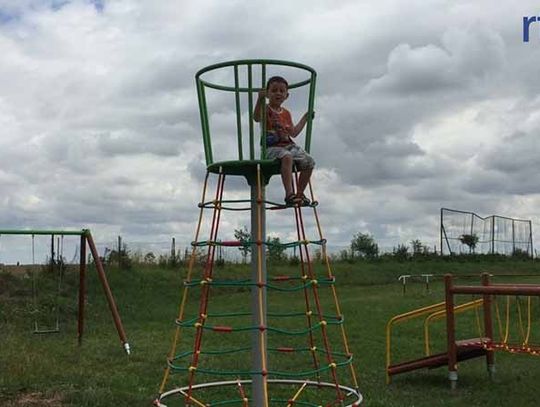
(286, 174)
(303, 180)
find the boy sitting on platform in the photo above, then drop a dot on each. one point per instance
(280, 146)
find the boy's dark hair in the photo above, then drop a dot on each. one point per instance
(278, 79)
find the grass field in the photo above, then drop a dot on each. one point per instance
(51, 370)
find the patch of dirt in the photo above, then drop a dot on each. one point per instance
(38, 400)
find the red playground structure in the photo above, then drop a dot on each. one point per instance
(482, 346)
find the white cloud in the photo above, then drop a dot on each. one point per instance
(434, 104)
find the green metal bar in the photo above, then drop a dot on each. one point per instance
(248, 64)
(44, 232)
(238, 113)
(254, 62)
(311, 103)
(246, 90)
(264, 125)
(250, 107)
(204, 122)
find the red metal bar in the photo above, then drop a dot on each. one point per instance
(450, 331)
(315, 292)
(496, 289)
(488, 324)
(309, 322)
(82, 288)
(108, 293)
(205, 292)
(225, 329)
(231, 243)
(434, 361)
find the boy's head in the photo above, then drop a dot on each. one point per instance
(277, 79)
(277, 90)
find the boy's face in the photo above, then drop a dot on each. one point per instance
(277, 93)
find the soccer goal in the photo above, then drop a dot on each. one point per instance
(465, 232)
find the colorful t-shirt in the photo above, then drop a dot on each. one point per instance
(278, 125)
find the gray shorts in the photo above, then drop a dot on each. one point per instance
(302, 160)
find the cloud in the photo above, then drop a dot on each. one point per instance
(420, 107)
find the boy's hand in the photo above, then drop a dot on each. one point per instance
(262, 94)
(306, 115)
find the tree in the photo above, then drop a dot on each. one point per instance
(401, 252)
(244, 237)
(364, 245)
(469, 240)
(150, 258)
(417, 247)
(275, 250)
(122, 257)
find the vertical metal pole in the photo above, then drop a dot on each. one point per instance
(51, 263)
(258, 307)
(119, 252)
(513, 237)
(472, 230)
(493, 235)
(488, 327)
(450, 332)
(442, 232)
(82, 288)
(531, 239)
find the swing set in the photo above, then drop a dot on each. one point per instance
(514, 335)
(56, 267)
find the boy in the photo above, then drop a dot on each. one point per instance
(280, 132)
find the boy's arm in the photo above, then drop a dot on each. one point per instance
(300, 126)
(257, 112)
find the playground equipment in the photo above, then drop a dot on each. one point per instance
(259, 357)
(86, 239)
(483, 345)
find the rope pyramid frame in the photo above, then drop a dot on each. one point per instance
(326, 375)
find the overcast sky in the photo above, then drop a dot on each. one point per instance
(420, 105)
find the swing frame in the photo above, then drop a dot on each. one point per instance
(86, 239)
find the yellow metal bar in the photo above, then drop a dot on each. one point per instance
(300, 390)
(507, 332)
(193, 399)
(185, 292)
(401, 318)
(529, 317)
(262, 315)
(442, 314)
(333, 287)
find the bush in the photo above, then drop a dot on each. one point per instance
(364, 245)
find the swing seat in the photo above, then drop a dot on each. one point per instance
(46, 331)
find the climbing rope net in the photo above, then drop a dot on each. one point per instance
(516, 320)
(305, 359)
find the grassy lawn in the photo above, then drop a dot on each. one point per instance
(52, 370)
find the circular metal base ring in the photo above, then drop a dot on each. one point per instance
(182, 390)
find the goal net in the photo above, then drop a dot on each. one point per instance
(466, 232)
